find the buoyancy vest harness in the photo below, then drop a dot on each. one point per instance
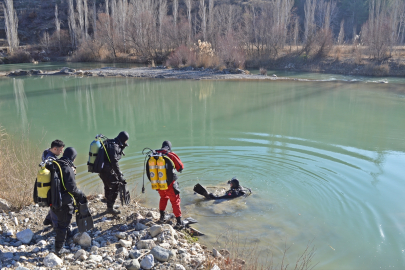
(95, 157)
(158, 168)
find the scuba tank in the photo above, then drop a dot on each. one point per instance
(43, 185)
(93, 152)
(153, 173)
(161, 166)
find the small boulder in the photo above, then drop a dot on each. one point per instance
(80, 255)
(96, 258)
(52, 261)
(160, 254)
(155, 230)
(146, 244)
(125, 243)
(147, 262)
(25, 236)
(83, 239)
(216, 253)
(22, 268)
(132, 264)
(215, 267)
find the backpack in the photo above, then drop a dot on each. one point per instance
(97, 154)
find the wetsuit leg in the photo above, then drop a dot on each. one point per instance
(175, 200)
(110, 187)
(64, 217)
(163, 200)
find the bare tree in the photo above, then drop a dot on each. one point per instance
(210, 17)
(57, 25)
(11, 24)
(341, 37)
(175, 12)
(309, 24)
(94, 20)
(188, 4)
(79, 7)
(72, 24)
(203, 19)
(86, 19)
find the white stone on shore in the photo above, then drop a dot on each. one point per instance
(52, 261)
(146, 244)
(125, 243)
(25, 236)
(140, 227)
(160, 254)
(121, 235)
(94, 250)
(83, 239)
(80, 255)
(22, 268)
(155, 230)
(216, 253)
(96, 258)
(147, 262)
(179, 267)
(215, 267)
(15, 221)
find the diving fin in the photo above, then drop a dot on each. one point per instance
(201, 190)
(84, 220)
(125, 197)
(188, 221)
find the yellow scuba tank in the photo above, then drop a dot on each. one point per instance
(43, 185)
(153, 173)
(161, 165)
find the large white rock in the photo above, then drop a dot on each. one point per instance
(146, 244)
(125, 243)
(83, 239)
(96, 258)
(215, 267)
(161, 254)
(147, 262)
(52, 261)
(80, 255)
(25, 236)
(155, 230)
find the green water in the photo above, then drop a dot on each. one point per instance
(325, 160)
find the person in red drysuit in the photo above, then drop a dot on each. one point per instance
(173, 162)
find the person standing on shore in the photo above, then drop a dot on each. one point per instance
(70, 195)
(110, 173)
(171, 190)
(53, 152)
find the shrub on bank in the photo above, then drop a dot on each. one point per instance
(19, 56)
(18, 168)
(377, 70)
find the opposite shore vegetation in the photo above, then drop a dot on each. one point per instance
(362, 37)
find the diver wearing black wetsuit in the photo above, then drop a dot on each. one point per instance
(236, 191)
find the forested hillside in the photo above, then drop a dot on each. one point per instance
(234, 31)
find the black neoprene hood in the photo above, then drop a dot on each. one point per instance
(167, 145)
(70, 153)
(123, 137)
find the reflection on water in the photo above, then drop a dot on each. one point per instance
(21, 102)
(324, 160)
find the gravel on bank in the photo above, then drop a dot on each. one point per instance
(132, 240)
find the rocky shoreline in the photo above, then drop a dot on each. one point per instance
(188, 73)
(133, 240)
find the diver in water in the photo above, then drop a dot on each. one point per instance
(236, 190)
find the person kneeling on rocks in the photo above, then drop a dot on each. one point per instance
(70, 195)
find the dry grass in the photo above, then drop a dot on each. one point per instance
(18, 168)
